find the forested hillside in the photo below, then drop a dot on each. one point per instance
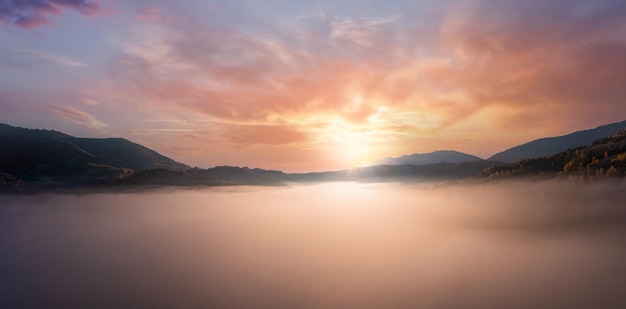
(605, 158)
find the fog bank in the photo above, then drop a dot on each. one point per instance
(343, 245)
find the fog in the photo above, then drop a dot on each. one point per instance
(344, 245)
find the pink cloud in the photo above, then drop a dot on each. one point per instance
(150, 13)
(267, 135)
(494, 67)
(31, 14)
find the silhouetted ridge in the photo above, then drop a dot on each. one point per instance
(42, 155)
(605, 158)
(126, 154)
(441, 156)
(35, 160)
(216, 176)
(406, 172)
(45, 156)
(551, 145)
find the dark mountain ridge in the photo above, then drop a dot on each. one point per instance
(406, 172)
(126, 154)
(551, 145)
(604, 158)
(44, 155)
(33, 161)
(441, 156)
(193, 177)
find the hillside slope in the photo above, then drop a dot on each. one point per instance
(51, 156)
(402, 173)
(126, 154)
(551, 145)
(604, 158)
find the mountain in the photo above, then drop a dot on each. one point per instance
(605, 157)
(194, 177)
(442, 156)
(33, 161)
(551, 145)
(126, 154)
(50, 156)
(8, 180)
(406, 172)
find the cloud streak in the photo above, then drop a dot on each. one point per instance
(30, 14)
(538, 64)
(79, 117)
(476, 76)
(45, 57)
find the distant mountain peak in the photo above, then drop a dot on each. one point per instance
(439, 156)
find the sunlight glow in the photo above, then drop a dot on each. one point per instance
(355, 149)
(348, 143)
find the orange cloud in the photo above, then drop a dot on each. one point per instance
(485, 72)
(268, 135)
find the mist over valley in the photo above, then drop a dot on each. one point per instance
(339, 245)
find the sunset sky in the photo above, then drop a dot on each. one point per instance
(312, 85)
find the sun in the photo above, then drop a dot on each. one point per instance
(355, 150)
(351, 147)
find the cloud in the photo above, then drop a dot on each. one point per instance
(473, 69)
(32, 56)
(238, 75)
(359, 31)
(78, 116)
(267, 135)
(30, 14)
(541, 54)
(91, 102)
(149, 13)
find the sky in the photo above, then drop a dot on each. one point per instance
(312, 85)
